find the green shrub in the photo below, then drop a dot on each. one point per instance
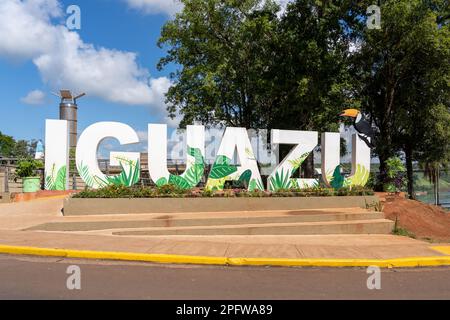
(207, 193)
(170, 189)
(27, 168)
(395, 175)
(404, 233)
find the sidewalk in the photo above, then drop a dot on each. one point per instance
(322, 250)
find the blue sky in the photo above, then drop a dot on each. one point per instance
(124, 26)
(112, 58)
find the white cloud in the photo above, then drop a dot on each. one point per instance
(173, 123)
(283, 3)
(65, 60)
(35, 97)
(143, 135)
(169, 7)
(355, 46)
(24, 27)
(109, 74)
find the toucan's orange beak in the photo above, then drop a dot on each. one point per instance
(353, 113)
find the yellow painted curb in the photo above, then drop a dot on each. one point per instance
(442, 249)
(180, 259)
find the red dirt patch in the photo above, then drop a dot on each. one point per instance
(424, 220)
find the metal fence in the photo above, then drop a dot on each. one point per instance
(434, 193)
(426, 191)
(9, 182)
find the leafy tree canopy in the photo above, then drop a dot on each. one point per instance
(241, 63)
(222, 48)
(403, 71)
(10, 148)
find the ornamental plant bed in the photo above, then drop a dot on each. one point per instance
(171, 191)
(167, 199)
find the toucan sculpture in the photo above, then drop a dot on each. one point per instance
(362, 126)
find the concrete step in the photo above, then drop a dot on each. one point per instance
(203, 219)
(373, 226)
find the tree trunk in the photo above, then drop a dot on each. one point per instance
(409, 172)
(382, 177)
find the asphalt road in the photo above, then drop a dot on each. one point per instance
(46, 278)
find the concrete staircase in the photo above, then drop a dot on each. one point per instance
(287, 222)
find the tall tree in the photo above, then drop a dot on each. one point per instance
(241, 65)
(7, 144)
(224, 51)
(313, 83)
(10, 148)
(403, 70)
(238, 63)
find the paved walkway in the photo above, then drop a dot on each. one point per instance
(19, 216)
(291, 247)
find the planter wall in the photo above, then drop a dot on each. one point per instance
(41, 194)
(75, 206)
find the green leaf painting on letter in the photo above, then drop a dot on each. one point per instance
(337, 181)
(193, 174)
(222, 168)
(179, 182)
(56, 180)
(126, 178)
